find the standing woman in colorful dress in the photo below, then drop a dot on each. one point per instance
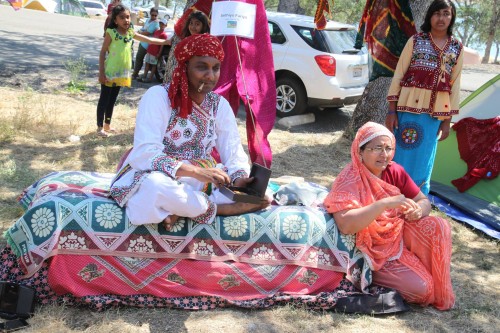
(425, 92)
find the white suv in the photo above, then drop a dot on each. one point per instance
(163, 12)
(317, 68)
(94, 8)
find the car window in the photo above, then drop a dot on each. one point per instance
(91, 4)
(342, 41)
(277, 36)
(312, 37)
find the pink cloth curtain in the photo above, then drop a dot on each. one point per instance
(257, 75)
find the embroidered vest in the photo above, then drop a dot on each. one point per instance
(430, 67)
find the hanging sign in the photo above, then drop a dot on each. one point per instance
(233, 18)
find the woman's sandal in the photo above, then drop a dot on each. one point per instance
(102, 133)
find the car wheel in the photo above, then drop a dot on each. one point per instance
(167, 17)
(290, 97)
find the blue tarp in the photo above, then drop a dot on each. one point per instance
(462, 216)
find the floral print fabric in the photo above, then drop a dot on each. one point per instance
(86, 222)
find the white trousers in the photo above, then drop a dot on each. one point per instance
(159, 196)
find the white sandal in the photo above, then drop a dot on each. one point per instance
(102, 133)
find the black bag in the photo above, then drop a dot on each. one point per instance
(17, 304)
(384, 303)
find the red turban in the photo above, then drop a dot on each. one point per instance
(203, 45)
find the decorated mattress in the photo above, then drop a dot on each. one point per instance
(84, 244)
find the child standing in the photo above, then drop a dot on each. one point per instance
(195, 23)
(150, 26)
(114, 69)
(154, 52)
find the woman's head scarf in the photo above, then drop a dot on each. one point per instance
(203, 45)
(357, 187)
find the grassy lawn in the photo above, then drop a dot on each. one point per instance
(34, 139)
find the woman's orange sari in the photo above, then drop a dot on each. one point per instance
(387, 237)
(356, 187)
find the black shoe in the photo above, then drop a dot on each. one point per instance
(385, 303)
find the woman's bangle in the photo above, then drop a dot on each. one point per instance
(391, 112)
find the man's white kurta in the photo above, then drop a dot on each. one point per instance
(147, 184)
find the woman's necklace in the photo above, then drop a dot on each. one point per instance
(127, 38)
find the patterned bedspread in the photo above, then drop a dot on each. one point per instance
(70, 213)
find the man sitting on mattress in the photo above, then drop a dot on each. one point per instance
(170, 172)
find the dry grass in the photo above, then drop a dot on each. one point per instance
(34, 132)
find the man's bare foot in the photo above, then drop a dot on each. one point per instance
(169, 221)
(238, 208)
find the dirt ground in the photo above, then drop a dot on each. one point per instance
(37, 117)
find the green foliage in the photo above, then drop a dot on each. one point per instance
(474, 19)
(346, 11)
(7, 132)
(271, 4)
(77, 69)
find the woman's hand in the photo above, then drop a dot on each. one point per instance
(391, 120)
(413, 210)
(397, 201)
(444, 129)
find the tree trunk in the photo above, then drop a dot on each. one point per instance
(496, 54)
(373, 104)
(491, 31)
(290, 6)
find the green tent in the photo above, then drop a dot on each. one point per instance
(483, 199)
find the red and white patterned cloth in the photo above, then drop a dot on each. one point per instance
(479, 146)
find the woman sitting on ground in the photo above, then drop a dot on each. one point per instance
(170, 171)
(374, 198)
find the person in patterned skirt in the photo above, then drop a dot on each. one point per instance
(425, 92)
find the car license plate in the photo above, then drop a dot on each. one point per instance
(357, 71)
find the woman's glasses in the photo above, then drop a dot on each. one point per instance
(380, 149)
(439, 14)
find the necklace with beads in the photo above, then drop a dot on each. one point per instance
(127, 38)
